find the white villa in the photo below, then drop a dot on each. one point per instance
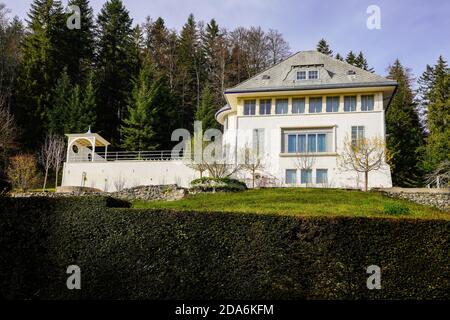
(305, 106)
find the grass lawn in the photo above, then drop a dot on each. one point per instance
(301, 201)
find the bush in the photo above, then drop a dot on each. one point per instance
(395, 208)
(208, 184)
(23, 172)
(156, 254)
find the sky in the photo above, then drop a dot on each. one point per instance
(415, 32)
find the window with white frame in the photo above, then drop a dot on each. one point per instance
(306, 176)
(333, 104)
(357, 134)
(308, 141)
(349, 103)
(301, 75)
(315, 105)
(298, 105)
(281, 106)
(367, 102)
(249, 107)
(258, 142)
(291, 176)
(313, 74)
(265, 105)
(322, 176)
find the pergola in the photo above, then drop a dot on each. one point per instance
(88, 139)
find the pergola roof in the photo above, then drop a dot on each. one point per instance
(85, 139)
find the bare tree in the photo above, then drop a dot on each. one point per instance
(7, 130)
(119, 183)
(253, 163)
(364, 155)
(278, 48)
(58, 156)
(46, 154)
(305, 161)
(441, 176)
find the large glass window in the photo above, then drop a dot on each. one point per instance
(315, 105)
(367, 102)
(357, 134)
(298, 105)
(322, 176)
(306, 176)
(349, 103)
(264, 106)
(281, 106)
(307, 142)
(291, 176)
(249, 107)
(333, 104)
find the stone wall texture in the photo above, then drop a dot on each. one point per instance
(439, 198)
(146, 193)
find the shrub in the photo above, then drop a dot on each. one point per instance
(158, 254)
(23, 172)
(209, 184)
(395, 208)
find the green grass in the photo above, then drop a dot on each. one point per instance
(301, 201)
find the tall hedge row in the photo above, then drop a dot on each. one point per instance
(149, 254)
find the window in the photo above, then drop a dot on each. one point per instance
(249, 107)
(301, 75)
(308, 142)
(291, 176)
(322, 176)
(281, 106)
(333, 104)
(298, 105)
(264, 106)
(258, 141)
(306, 176)
(315, 105)
(313, 74)
(357, 134)
(349, 103)
(367, 103)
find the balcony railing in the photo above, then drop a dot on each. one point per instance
(163, 155)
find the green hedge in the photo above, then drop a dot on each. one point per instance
(209, 184)
(145, 254)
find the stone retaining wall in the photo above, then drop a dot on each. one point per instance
(146, 193)
(439, 198)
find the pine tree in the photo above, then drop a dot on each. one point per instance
(405, 138)
(361, 62)
(116, 66)
(73, 112)
(190, 70)
(207, 109)
(323, 47)
(351, 58)
(80, 44)
(88, 108)
(43, 61)
(437, 102)
(58, 116)
(339, 57)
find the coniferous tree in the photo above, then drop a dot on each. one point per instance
(361, 62)
(116, 66)
(58, 116)
(435, 88)
(339, 57)
(405, 138)
(324, 48)
(207, 110)
(43, 61)
(351, 58)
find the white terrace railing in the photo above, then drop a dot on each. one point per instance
(163, 155)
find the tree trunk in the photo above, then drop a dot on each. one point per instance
(366, 182)
(56, 177)
(253, 176)
(45, 180)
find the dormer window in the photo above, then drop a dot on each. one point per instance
(313, 74)
(301, 75)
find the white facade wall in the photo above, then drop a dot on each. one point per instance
(106, 175)
(239, 134)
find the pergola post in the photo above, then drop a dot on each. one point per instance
(93, 149)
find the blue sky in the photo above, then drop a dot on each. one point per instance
(416, 32)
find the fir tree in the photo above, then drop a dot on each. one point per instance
(339, 57)
(405, 137)
(58, 116)
(206, 111)
(361, 62)
(351, 58)
(116, 66)
(323, 47)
